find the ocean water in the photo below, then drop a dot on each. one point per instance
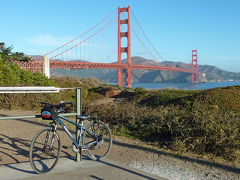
(186, 86)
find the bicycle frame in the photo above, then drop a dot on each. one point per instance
(81, 127)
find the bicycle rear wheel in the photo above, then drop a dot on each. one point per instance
(102, 142)
(43, 157)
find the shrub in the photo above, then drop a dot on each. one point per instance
(139, 89)
(193, 121)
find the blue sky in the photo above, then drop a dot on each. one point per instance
(175, 27)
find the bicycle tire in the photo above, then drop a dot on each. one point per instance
(98, 151)
(42, 159)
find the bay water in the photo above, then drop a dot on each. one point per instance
(186, 86)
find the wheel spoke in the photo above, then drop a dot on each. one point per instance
(103, 141)
(42, 157)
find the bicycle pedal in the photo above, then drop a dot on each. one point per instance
(75, 149)
(66, 147)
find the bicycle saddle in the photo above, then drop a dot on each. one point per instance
(83, 117)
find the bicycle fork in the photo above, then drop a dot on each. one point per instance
(54, 129)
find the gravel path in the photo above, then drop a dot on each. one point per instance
(172, 166)
(179, 170)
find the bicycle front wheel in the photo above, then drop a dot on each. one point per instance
(44, 150)
(99, 145)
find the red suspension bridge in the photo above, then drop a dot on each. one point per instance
(100, 48)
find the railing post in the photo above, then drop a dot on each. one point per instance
(79, 112)
(46, 66)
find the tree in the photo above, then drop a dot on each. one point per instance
(6, 51)
(7, 54)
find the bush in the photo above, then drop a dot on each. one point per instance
(13, 75)
(192, 121)
(139, 89)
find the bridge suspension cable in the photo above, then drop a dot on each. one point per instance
(85, 39)
(83, 33)
(139, 39)
(143, 43)
(156, 51)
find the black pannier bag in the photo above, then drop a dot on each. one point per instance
(49, 113)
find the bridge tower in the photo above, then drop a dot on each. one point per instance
(194, 66)
(124, 75)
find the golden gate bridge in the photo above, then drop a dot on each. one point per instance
(100, 48)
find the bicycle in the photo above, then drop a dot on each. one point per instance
(46, 144)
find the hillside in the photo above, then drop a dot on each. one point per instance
(200, 121)
(212, 73)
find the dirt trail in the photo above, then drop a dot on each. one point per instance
(16, 136)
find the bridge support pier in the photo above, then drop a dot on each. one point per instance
(46, 66)
(124, 75)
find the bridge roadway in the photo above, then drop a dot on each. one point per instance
(38, 64)
(70, 169)
(86, 65)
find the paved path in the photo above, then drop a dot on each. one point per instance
(70, 169)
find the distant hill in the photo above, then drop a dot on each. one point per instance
(212, 73)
